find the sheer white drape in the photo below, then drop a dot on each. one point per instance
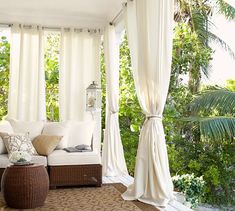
(26, 99)
(113, 160)
(79, 66)
(150, 26)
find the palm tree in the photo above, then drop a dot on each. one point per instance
(219, 105)
(197, 14)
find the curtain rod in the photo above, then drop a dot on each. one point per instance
(55, 28)
(124, 5)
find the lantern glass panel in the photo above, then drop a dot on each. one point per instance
(93, 97)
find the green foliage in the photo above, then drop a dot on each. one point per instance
(226, 9)
(191, 186)
(207, 108)
(231, 85)
(4, 74)
(52, 75)
(190, 56)
(219, 99)
(213, 119)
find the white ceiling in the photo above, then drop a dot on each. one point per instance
(78, 13)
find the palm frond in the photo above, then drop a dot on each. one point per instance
(218, 127)
(215, 128)
(214, 99)
(221, 43)
(226, 9)
(200, 21)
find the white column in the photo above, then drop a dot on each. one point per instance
(113, 160)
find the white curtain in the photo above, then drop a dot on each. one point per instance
(113, 161)
(150, 29)
(79, 66)
(26, 99)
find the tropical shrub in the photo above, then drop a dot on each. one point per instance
(192, 187)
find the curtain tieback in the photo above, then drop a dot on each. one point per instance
(154, 117)
(113, 112)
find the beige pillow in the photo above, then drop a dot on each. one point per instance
(45, 144)
(18, 142)
(57, 129)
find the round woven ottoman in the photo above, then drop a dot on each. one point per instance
(25, 187)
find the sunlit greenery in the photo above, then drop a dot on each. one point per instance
(4, 74)
(52, 75)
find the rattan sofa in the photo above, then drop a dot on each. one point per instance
(67, 174)
(68, 169)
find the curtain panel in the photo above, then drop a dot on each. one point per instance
(150, 29)
(113, 160)
(26, 100)
(79, 66)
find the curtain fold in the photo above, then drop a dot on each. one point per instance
(113, 161)
(150, 29)
(26, 100)
(79, 66)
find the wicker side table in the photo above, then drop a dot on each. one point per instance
(25, 187)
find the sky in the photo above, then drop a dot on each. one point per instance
(223, 66)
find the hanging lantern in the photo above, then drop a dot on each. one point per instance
(93, 97)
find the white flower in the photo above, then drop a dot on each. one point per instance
(19, 156)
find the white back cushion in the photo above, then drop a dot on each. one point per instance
(33, 128)
(57, 129)
(5, 127)
(80, 132)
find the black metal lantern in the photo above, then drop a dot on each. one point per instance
(93, 97)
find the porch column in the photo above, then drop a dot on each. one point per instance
(150, 29)
(113, 160)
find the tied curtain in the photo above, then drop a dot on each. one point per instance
(26, 100)
(150, 29)
(113, 161)
(79, 66)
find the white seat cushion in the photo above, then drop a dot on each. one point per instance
(61, 157)
(4, 161)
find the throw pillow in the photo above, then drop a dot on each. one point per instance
(80, 133)
(57, 129)
(45, 144)
(18, 142)
(5, 127)
(33, 128)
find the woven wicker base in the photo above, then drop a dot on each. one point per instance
(75, 175)
(25, 187)
(1, 173)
